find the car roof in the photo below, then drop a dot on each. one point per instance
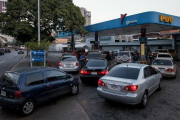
(163, 59)
(32, 69)
(132, 65)
(69, 56)
(164, 54)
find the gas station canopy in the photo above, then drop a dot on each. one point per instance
(151, 21)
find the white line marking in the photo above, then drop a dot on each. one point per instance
(2, 62)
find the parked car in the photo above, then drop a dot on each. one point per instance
(21, 51)
(130, 83)
(164, 55)
(1, 51)
(25, 88)
(22, 47)
(65, 54)
(69, 64)
(93, 55)
(165, 66)
(7, 50)
(93, 70)
(124, 57)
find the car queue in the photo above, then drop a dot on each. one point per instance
(127, 82)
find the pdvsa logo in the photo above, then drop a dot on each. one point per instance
(166, 19)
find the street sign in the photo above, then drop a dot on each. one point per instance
(38, 56)
(143, 39)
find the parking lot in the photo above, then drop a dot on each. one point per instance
(162, 105)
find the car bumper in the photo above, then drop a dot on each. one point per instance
(91, 77)
(168, 74)
(75, 69)
(129, 98)
(11, 103)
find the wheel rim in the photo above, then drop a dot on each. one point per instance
(28, 107)
(74, 89)
(145, 99)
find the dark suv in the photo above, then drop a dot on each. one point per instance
(1, 51)
(25, 88)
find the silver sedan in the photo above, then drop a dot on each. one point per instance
(69, 64)
(165, 66)
(130, 83)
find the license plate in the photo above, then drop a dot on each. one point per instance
(161, 69)
(93, 73)
(3, 93)
(114, 87)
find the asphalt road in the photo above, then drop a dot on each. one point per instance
(9, 60)
(162, 105)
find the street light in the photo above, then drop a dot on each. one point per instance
(38, 22)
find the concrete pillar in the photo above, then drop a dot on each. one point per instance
(72, 42)
(143, 45)
(96, 40)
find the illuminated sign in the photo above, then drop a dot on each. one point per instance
(166, 19)
(122, 17)
(142, 49)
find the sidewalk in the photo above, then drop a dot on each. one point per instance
(66, 109)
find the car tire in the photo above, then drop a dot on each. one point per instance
(74, 89)
(28, 107)
(144, 100)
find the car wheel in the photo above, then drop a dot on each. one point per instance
(28, 107)
(74, 90)
(144, 100)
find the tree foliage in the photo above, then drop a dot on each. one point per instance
(21, 18)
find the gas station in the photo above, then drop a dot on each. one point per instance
(143, 23)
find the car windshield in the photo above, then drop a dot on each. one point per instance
(123, 53)
(96, 63)
(67, 55)
(163, 62)
(95, 55)
(9, 79)
(164, 55)
(124, 72)
(69, 59)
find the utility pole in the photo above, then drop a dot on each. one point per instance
(38, 22)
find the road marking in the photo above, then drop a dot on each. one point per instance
(2, 62)
(18, 62)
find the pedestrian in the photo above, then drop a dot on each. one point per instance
(151, 57)
(82, 60)
(108, 58)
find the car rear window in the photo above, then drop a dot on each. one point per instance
(67, 54)
(9, 79)
(95, 55)
(69, 59)
(163, 62)
(163, 51)
(121, 54)
(164, 56)
(124, 72)
(96, 63)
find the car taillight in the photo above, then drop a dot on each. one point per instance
(170, 70)
(129, 59)
(77, 64)
(60, 64)
(131, 88)
(85, 72)
(103, 72)
(101, 83)
(17, 94)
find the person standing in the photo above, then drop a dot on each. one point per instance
(82, 60)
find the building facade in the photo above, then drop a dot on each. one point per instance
(3, 6)
(87, 15)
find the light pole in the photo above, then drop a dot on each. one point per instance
(38, 22)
